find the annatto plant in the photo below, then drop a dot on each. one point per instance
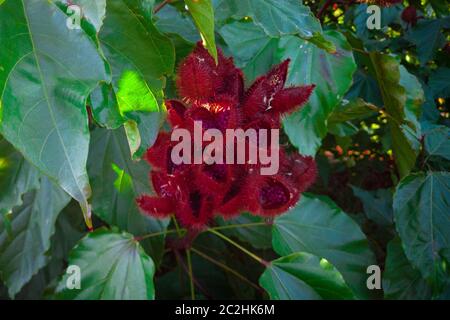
(215, 94)
(96, 98)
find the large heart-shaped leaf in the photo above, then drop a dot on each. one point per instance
(276, 17)
(332, 75)
(421, 213)
(113, 266)
(316, 225)
(23, 250)
(58, 66)
(117, 181)
(437, 142)
(252, 49)
(304, 276)
(400, 280)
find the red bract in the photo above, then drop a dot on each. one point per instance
(409, 15)
(214, 94)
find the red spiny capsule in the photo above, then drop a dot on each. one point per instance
(214, 94)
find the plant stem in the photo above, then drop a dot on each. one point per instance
(237, 245)
(180, 231)
(225, 267)
(155, 234)
(244, 225)
(160, 6)
(191, 277)
(325, 6)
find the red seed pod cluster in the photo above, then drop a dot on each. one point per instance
(215, 95)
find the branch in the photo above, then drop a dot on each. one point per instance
(160, 6)
(325, 7)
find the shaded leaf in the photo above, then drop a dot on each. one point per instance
(440, 83)
(421, 209)
(117, 181)
(23, 253)
(401, 105)
(400, 280)
(332, 75)
(259, 236)
(113, 267)
(316, 225)
(377, 205)
(352, 110)
(304, 276)
(17, 177)
(437, 142)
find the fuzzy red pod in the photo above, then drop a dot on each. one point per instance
(215, 96)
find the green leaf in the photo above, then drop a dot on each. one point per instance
(316, 225)
(170, 20)
(400, 280)
(332, 75)
(134, 95)
(133, 45)
(377, 205)
(23, 252)
(17, 177)
(437, 142)
(59, 66)
(113, 266)
(401, 106)
(428, 38)
(440, 83)
(352, 110)
(92, 11)
(245, 40)
(105, 110)
(276, 17)
(117, 181)
(69, 229)
(252, 49)
(203, 14)
(304, 276)
(258, 236)
(421, 208)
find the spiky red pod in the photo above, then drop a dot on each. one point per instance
(214, 95)
(156, 206)
(288, 99)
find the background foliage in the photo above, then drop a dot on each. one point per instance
(78, 107)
